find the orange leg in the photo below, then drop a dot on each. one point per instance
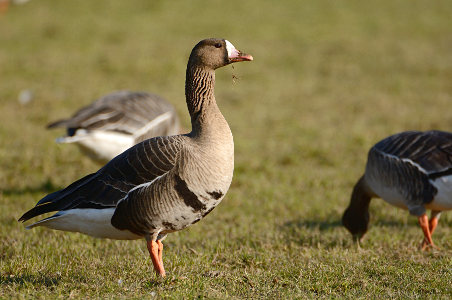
(433, 222)
(160, 245)
(155, 250)
(425, 225)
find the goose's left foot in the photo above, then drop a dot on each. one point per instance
(155, 249)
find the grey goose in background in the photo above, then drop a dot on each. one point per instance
(116, 122)
(411, 170)
(160, 185)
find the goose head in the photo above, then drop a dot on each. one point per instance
(216, 53)
(356, 222)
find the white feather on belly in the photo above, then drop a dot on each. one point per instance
(90, 221)
(99, 144)
(443, 199)
(389, 194)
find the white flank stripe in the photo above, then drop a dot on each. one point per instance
(407, 160)
(415, 164)
(146, 183)
(152, 124)
(140, 186)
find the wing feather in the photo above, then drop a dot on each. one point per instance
(109, 185)
(122, 111)
(431, 150)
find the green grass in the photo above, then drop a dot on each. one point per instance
(329, 79)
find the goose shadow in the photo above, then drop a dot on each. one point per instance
(23, 280)
(327, 225)
(388, 223)
(45, 187)
(311, 233)
(313, 224)
(327, 232)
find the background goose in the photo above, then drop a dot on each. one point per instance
(117, 121)
(160, 185)
(411, 170)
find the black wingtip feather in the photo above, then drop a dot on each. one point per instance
(59, 123)
(59, 200)
(38, 210)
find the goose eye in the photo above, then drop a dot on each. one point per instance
(218, 45)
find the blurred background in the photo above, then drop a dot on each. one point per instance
(329, 79)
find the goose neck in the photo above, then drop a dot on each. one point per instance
(361, 196)
(199, 89)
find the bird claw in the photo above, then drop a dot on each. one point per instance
(426, 246)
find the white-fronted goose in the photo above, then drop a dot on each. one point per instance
(411, 170)
(116, 122)
(163, 184)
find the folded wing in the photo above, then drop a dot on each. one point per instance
(104, 189)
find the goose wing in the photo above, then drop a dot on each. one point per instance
(122, 111)
(407, 163)
(138, 165)
(430, 150)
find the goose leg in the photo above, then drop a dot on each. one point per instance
(433, 222)
(160, 245)
(425, 225)
(155, 250)
(434, 218)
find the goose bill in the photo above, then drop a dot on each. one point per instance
(237, 56)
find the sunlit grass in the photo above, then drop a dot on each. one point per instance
(329, 79)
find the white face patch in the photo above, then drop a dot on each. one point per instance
(232, 52)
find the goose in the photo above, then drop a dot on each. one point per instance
(410, 170)
(116, 122)
(162, 184)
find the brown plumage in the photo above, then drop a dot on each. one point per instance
(163, 184)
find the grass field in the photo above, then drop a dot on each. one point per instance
(328, 80)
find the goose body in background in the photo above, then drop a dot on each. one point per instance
(160, 185)
(411, 170)
(116, 122)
